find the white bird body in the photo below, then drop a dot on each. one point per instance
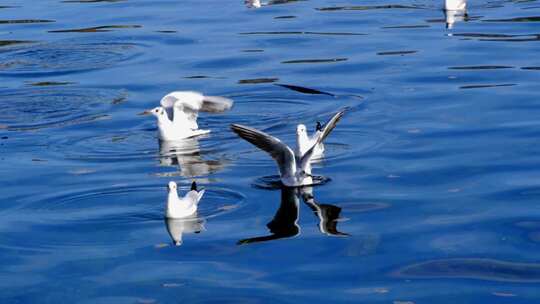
(177, 115)
(294, 169)
(182, 207)
(304, 142)
(455, 10)
(455, 5)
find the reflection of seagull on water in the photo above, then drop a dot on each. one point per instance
(328, 214)
(182, 207)
(294, 170)
(177, 115)
(305, 142)
(285, 221)
(177, 227)
(455, 10)
(284, 224)
(186, 154)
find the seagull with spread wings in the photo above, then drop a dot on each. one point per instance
(177, 115)
(294, 168)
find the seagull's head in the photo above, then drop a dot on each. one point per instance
(172, 186)
(157, 112)
(301, 129)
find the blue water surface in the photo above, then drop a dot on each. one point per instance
(432, 178)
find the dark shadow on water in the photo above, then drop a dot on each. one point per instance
(493, 37)
(303, 89)
(518, 19)
(14, 42)
(367, 7)
(483, 86)
(393, 53)
(329, 60)
(96, 29)
(257, 80)
(23, 21)
(50, 83)
(481, 67)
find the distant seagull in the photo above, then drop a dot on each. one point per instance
(455, 10)
(259, 4)
(182, 207)
(294, 170)
(177, 115)
(305, 142)
(455, 5)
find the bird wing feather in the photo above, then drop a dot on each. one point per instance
(328, 127)
(216, 104)
(280, 152)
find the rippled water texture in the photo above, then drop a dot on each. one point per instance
(428, 192)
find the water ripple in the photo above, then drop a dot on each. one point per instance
(474, 268)
(64, 57)
(122, 204)
(46, 107)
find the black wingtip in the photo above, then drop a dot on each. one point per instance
(319, 126)
(194, 186)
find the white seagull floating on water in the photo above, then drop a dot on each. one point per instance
(177, 115)
(294, 168)
(182, 207)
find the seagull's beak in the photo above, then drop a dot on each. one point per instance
(145, 112)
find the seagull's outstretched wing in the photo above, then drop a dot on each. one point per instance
(167, 102)
(216, 104)
(328, 127)
(185, 114)
(279, 151)
(184, 106)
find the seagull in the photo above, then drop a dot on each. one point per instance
(304, 141)
(177, 115)
(455, 10)
(182, 207)
(455, 5)
(294, 169)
